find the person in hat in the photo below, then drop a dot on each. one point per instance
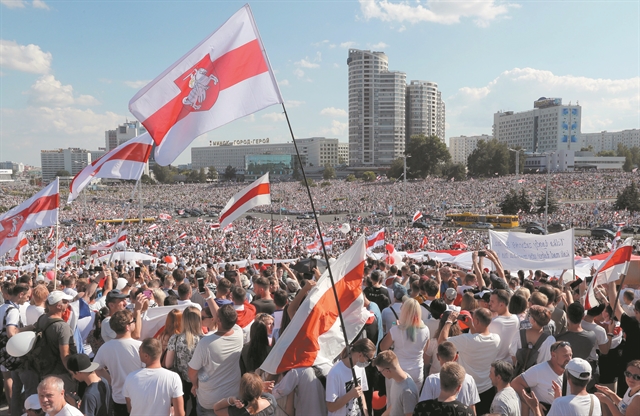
(579, 402)
(450, 296)
(391, 314)
(115, 301)
(32, 406)
(96, 400)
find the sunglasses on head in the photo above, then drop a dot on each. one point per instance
(635, 377)
(558, 345)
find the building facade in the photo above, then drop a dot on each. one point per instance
(462, 146)
(609, 140)
(571, 160)
(425, 110)
(124, 132)
(73, 160)
(376, 110)
(549, 127)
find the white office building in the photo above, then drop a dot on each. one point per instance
(124, 132)
(549, 127)
(343, 154)
(462, 146)
(376, 110)
(609, 140)
(16, 167)
(571, 160)
(425, 110)
(73, 160)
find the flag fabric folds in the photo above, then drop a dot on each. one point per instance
(376, 240)
(41, 210)
(416, 216)
(225, 77)
(107, 245)
(314, 335)
(610, 270)
(254, 195)
(16, 253)
(124, 162)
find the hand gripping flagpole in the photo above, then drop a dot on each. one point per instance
(126, 214)
(326, 257)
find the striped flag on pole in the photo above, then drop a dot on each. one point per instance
(16, 253)
(417, 216)
(254, 195)
(609, 271)
(314, 335)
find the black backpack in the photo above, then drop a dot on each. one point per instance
(527, 355)
(35, 360)
(8, 361)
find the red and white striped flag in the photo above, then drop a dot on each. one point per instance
(376, 240)
(392, 255)
(254, 195)
(610, 270)
(124, 162)
(183, 235)
(16, 253)
(152, 227)
(52, 232)
(277, 228)
(314, 335)
(225, 77)
(459, 231)
(227, 229)
(66, 253)
(107, 245)
(215, 226)
(41, 210)
(165, 217)
(424, 242)
(416, 216)
(52, 253)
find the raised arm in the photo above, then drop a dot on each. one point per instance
(614, 301)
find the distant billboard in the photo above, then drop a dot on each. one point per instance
(544, 102)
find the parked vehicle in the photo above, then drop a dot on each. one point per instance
(601, 232)
(557, 226)
(535, 229)
(483, 225)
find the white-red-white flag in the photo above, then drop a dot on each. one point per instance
(183, 235)
(376, 240)
(617, 238)
(417, 216)
(64, 256)
(459, 231)
(52, 232)
(424, 242)
(165, 217)
(254, 195)
(107, 245)
(215, 226)
(152, 227)
(225, 77)
(52, 253)
(610, 270)
(41, 210)
(314, 335)
(393, 257)
(16, 253)
(124, 162)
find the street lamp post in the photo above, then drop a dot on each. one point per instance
(404, 190)
(517, 151)
(546, 191)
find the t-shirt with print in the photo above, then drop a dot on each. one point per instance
(434, 407)
(403, 397)
(183, 353)
(506, 403)
(339, 383)
(378, 295)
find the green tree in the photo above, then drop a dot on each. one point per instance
(629, 198)
(457, 171)
(541, 202)
(163, 174)
(350, 177)
(63, 172)
(310, 182)
(202, 177)
(230, 173)
(396, 169)
(329, 173)
(606, 153)
(587, 149)
(427, 155)
(146, 179)
(515, 202)
(489, 157)
(296, 175)
(212, 174)
(325, 184)
(368, 176)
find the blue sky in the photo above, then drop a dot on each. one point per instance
(69, 68)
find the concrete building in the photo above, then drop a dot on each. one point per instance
(570, 160)
(425, 110)
(549, 127)
(16, 167)
(6, 175)
(73, 160)
(609, 140)
(343, 154)
(97, 154)
(124, 132)
(462, 146)
(319, 151)
(376, 110)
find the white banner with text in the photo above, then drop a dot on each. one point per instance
(521, 251)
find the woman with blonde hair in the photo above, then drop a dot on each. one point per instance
(409, 339)
(251, 400)
(180, 349)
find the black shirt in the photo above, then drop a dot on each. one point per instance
(632, 331)
(378, 295)
(96, 400)
(264, 306)
(435, 408)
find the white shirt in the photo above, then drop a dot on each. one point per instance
(409, 352)
(572, 405)
(388, 318)
(601, 337)
(105, 330)
(33, 313)
(339, 383)
(506, 327)
(476, 352)
(468, 393)
(151, 390)
(626, 401)
(68, 410)
(540, 378)
(544, 352)
(120, 357)
(188, 302)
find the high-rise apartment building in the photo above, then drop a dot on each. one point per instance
(73, 160)
(550, 126)
(461, 147)
(124, 132)
(425, 109)
(609, 140)
(376, 110)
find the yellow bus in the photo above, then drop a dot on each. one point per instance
(498, 221)
(118, 221)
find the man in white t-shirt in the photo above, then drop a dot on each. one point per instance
(476, 351)
(603, 341)
(468, 393)
(579, 402)
(505, 325)
(214, 370)
(52, 401)
(119, 357)
(544, 379)
(153, 390)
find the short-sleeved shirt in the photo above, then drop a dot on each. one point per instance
(121, 357)
(151, 390)
(267, 411)
(435, 407)
(601, 337)
(96, 400)
(264, 306)
(403, 397)
(378, 295)
(506, 403)
(57, 334)
(540, 378)
(339, 383)
(468, 393)
(183, 353)
(572, 405)
(476, 353)
(581, 342)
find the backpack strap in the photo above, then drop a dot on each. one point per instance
(542, 338)
(394, 312)
(427, 307)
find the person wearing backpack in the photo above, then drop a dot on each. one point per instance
(532, 345)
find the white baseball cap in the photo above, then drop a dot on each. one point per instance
(579, 368)
(32, 403)
(57, 296)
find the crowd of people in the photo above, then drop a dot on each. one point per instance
(441, 340)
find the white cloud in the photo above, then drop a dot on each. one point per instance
(298, 72)
(305, 63)
(610, 104)
(39, 4)
(14, 4)
(483, 12)
(283, 83)
(294, 103)
(26, 58)
(49, 91)
(251, 118)
(136, 84)
(321, 43)
(333, 112)
(337, 129)
(379, 46)
(348, 44)
(274, 116)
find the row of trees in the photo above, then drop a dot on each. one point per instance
(519, 202)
